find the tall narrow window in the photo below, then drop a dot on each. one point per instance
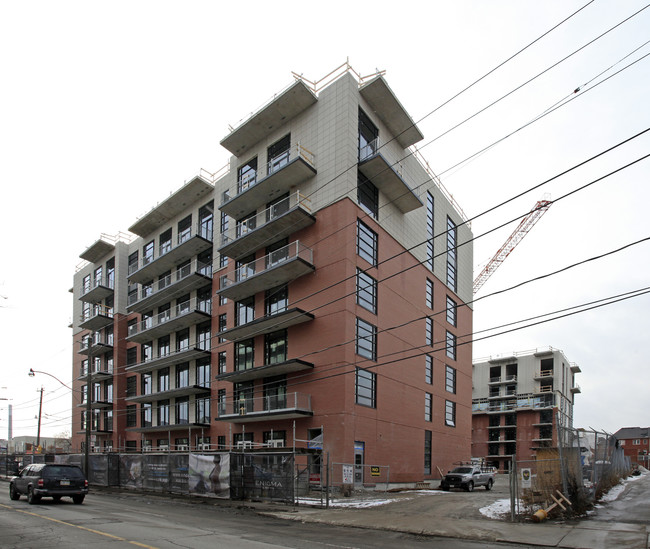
(244, 355)
(451, 311)
(147, 253)
(429, 330)
(428, 369)
(367, 195)
(366, 339)
(450, 413)
(276, 300)
(245, 311)
(450, 350)
(368, 137)
(366, 388)
(202, 413)
(221, 357)
(430, 229)
(452, 275)
(182, 375)
(182, 409)
(165, 242)
(203, 372)
(366, 243)
(427, 452)
(206, 220)
(428, 407)
(450, 379)
(429, 294)
(366, 291)
(133, 263)
(110, 272)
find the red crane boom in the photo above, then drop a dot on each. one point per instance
(515, 238)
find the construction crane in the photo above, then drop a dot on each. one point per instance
(515, 238)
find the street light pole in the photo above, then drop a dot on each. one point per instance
(40, 412)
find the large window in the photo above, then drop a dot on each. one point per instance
(202, 412)
(182, 410)
(278, 154)
(246, 175)
(145, 412)
(366, 388)
(244, 355)
(451, 311)
(451, 345)
(163, 380)
(147, 252)
(132, 262)
(203, 336)
(185, 229)
(131, 386)
(275, 347)
(182, 375)
(367, 195)
(246, 224)
(450, 379)
(366, 291)
(245, 311)
(131, 415)
(275, 393)
(276, 300)
(203, 372)
(147, 386)
(450, 413)
(164, 347)
(163, 412)
(366, 243)
(451, 255)
(165, 242)
(366, 339)
(428, 407)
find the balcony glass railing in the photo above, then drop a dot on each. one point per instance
(202, 229)
(267, 216)
(294, 250)
(194, 267)
(275, 164)
(266, 404)
(178, 311)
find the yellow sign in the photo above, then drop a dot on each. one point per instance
(374, 471)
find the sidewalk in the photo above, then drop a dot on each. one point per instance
(425, 514)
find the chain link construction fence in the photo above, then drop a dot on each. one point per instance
(566, 480)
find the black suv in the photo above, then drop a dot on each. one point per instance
(49, 480)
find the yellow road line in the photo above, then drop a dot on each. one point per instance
(98, 532)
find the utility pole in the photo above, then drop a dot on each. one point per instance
(40, 411)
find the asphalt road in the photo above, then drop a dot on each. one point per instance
(108, 520)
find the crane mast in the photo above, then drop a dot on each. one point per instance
(515, 238)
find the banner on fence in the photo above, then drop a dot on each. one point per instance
(209, 475)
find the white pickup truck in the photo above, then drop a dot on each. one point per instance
(468, 477)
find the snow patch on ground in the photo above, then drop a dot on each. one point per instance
(496, 510)
(366, 502)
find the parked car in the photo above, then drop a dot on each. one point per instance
(49, 480)
(468, 477)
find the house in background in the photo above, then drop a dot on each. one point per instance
(635, 444)
(518, 401)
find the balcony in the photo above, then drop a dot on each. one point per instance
(167, 428)
(96, 318)
(198, 188)
(275, 223)
(507, 395)
(157, 362)
(277, 112)
(286, 367)
(386, 178)
(277, 268)
(247, 410)
(171, 393)
(184, 315)
(545, 389)
(96, 375)
(283, 173)
(97, 405)
(99, 346)
(391, 112)
(187, 245)
(267, 324)
(576, 389)
(544, 374)
(502, 380)
(182, 281)
(97, 290)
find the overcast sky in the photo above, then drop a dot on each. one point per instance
(108, 107)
